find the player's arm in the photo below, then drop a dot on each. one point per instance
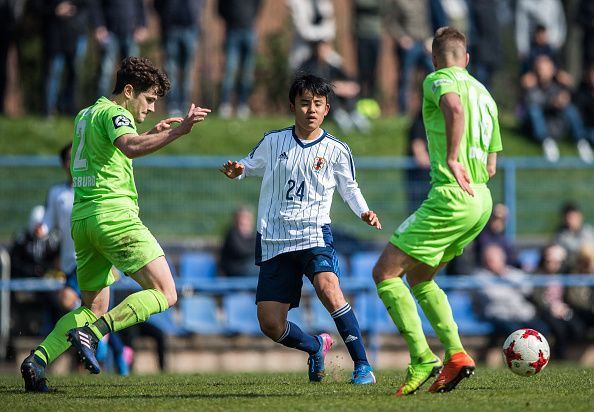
(232, 169)
(453, 114)
(344, 172)
(253, 164)
(135, 145)
(495, 144)
(492, 164)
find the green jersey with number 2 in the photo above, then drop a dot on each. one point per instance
(481, 132)
(102, 175)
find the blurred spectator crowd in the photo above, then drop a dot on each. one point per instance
(553, 47)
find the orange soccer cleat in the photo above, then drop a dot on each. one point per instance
(458, 367)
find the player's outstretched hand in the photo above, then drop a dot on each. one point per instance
(195, 115)
(461, 176)
(165, 124)
(232, 169)
(371, 219)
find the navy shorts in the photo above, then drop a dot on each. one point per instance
(281, 278)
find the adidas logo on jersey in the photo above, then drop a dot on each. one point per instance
(350, 339)
(325, 263)
(283, 156)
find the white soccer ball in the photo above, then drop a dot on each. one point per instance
(526, 352)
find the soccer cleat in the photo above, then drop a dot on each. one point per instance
(85, 343)
(417, 374)
(459, 366)
(316, 361)
(33, 373)
(363, 375)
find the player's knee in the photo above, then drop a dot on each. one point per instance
(171, 296)
(379, 273)
(271, 328)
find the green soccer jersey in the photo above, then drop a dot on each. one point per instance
(102, 175)
(481, 132)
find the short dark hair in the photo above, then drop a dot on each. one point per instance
(64, 153)
(143, 75)
(305, 82)
(570, 206)
(448, 40)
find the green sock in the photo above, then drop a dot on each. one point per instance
(436, 307)
(403, 311)
(55, 343)
(136, 308)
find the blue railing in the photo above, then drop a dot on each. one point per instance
(222, 286)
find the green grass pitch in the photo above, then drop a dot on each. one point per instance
(566, 388)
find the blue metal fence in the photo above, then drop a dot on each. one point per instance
(198, 200)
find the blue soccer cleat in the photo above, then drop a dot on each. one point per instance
(33, 373)
(363, 375)
(85, 343)
(316, 361)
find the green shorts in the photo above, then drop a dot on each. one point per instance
(111, 239)
(447, 221)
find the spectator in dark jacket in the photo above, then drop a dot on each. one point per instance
(494, 232)
(584, 100)
(119, 27)
(239, 247)
(585, 17)
(180, 30)
(64, 45)
(346, 90)
(551, 111)
(368, 34)
(574, 232)
(408, 23)
(240, 53)
(417, 177)
(485, 45)
(34, 252)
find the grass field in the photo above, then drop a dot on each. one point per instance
(557, 388)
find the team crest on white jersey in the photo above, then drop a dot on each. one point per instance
(319, 163)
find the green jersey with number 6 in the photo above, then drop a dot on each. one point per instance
(481, 131)
(101, 174)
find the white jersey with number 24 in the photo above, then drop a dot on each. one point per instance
(298, 182)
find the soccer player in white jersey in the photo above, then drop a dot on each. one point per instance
(301, 166)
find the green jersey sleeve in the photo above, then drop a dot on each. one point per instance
(437, 84)
(118, 122)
